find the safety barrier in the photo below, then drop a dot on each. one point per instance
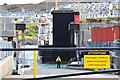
(4, 54)
(64, 49)
(6, 59)
(61, 49)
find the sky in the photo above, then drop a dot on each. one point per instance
(20, 1)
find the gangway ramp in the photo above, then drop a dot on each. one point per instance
(53, 72)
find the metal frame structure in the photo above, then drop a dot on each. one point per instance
(67, 49)
(61, 48)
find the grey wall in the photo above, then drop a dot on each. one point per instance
(7, 28)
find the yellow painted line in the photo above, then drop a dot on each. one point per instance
(35, 65)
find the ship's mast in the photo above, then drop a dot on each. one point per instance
(56, 5)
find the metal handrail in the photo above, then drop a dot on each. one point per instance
(60, 48)
(75, 74)
(66, 49)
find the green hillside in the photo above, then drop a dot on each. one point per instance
(30, 32)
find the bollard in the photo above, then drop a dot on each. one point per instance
(35, 65)
(96, 69)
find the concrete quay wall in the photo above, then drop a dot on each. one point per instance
(6, 66)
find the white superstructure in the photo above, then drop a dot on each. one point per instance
(45, 31)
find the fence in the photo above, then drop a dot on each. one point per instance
(103, 44)
(6, 59)
(4, 54)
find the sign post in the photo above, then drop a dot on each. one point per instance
(97, 59)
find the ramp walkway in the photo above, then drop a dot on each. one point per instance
(52, 72)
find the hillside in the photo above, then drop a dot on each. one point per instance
(47, 4)
(28, 7)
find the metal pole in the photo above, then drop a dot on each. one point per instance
(118, 64)
(77, 52)
(79, 40)
(23, 41)
(35, 65)
(61, 49)
(39, 34)
(17, 53)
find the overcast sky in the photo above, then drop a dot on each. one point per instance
(19, 1)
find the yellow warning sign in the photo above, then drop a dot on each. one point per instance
(97, 59)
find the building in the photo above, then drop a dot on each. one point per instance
(106, 34)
